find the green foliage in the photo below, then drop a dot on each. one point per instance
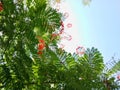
(23, 23)
(114, 69)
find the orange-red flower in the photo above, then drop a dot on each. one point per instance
(41, 41)
(1, 6)
(41, 45)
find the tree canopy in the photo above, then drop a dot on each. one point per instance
(30, 58)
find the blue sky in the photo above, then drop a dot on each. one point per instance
(99, 25)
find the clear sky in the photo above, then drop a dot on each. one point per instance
(97, 25)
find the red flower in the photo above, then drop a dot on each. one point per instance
(41, 41)
(41, 46)
(1, 7)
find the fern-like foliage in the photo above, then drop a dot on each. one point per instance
(22, 24)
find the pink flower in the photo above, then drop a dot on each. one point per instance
(118, 77)
(80, 50)
(69, 25)
(66, 14)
